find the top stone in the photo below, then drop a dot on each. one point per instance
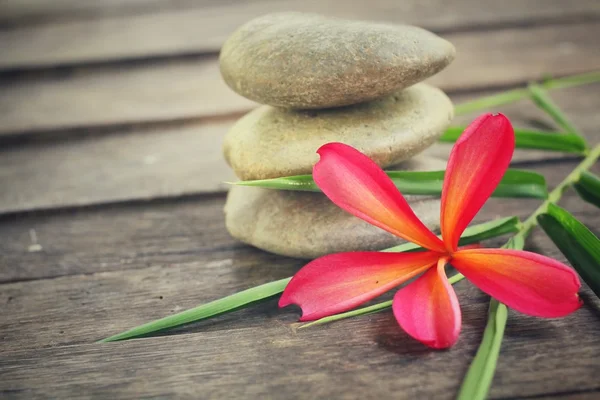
(299, 60)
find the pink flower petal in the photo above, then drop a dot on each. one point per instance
(427, 309)
(356, 184)
(342, 281)
(477, 164)
(528, 282)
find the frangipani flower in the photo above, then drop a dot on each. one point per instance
(427, 309)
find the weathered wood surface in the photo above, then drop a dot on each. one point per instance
(260, 355)
(141, 29)
(110, 135)
(143, 164)
(185, 159)
(138, 235)
(121, 277)
(191, 87)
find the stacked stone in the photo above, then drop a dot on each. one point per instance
(327, 80)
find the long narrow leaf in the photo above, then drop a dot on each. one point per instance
(518, 183)
(205, 311)
(479, 378)
(529, 139)
(488, 102)
(481, 372)
(472, 234)
(572, 80)
(375, 308)
(515, 183)
(511, 96)
(588, 188)
(576, 242)
(540, 97)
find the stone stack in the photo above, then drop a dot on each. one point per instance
(327, 80)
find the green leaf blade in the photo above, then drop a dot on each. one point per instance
(540, 97)
(301, 183)
(516, 183)
(588, 188)
(511, 96)
(205, 311)
(572, 80)
(533, 140)
(519, 183)
(478, 380)
(485, 103)
(579, 245)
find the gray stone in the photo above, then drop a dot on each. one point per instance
(302, 60)
(272, 142)
(309, 225)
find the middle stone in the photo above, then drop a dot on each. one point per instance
(273, 142)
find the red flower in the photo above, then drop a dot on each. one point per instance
(427, 309)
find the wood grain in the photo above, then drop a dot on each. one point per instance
(102, 96)
(117, 237)
(191, 87)
(139, 235)
(143, 164)
(107, 135)
(185, 159)
(101, 31)
(48, 326)
(257, 354)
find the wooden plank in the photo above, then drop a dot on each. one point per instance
(174, 89)
(144, 164)
(117, 237)
(175, 160)
(192, 87)
(257, 355)
(165, 29)
(48, 327)
(133, 236)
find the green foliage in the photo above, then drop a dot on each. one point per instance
(479, 378)
(576, 242)
(588, 187)
(540, 97)
(512, 96)
(537, 140)
(205, 311)
(515, 183)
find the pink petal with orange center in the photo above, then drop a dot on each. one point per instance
(476, 165)
(427, 309)
(342, 281)
(356, 184)
(528, 282)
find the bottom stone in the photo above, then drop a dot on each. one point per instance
(309, 225)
